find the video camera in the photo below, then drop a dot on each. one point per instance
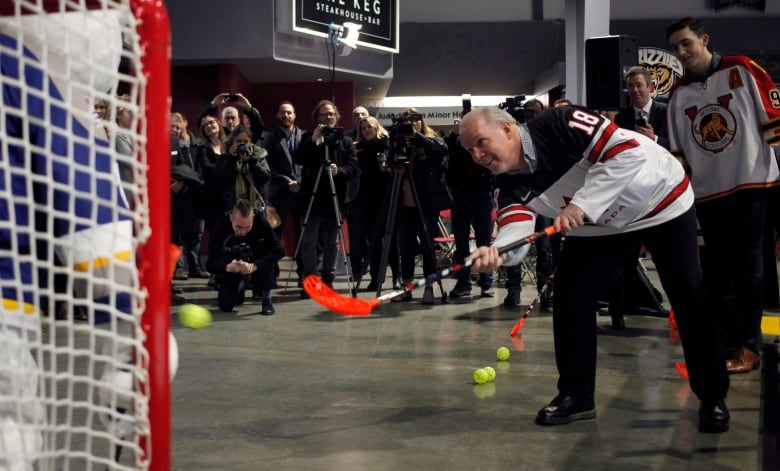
(515, 105)
(401, 131)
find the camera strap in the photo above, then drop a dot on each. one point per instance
(259, 196)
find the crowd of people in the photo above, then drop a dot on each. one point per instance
(329, 185)
(382, 190)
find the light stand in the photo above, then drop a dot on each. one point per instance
(346, 35)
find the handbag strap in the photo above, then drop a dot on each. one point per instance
(252, 184)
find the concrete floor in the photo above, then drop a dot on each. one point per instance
(307, 389)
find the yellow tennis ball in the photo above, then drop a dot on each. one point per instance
(480, 376)
(502, 354)
(490, 372)
(194, 316)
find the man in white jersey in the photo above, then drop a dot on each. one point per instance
(606, 185)
(724, 116)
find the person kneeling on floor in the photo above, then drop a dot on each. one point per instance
(242, 248)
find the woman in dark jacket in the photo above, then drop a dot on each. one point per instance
(427, 155)
(375, 175)
(243, 172)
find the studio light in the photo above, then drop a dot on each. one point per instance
(349, 34)
(346, 34)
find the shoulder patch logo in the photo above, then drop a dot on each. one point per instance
(735, 79)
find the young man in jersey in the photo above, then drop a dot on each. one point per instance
(724, 114)
(601, 184)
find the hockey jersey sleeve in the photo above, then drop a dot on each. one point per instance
(515, 221)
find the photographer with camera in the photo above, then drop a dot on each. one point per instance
(418, 147)
(242, 172)
(243, 245)
(326, 157)
(234, 105)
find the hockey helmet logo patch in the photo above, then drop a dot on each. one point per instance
(713, 126)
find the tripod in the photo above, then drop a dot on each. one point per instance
(325, 168)
(388, 214)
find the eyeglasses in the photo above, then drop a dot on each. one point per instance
(329, 114)
(209, 123)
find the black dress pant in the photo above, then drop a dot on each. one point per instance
(586, 262)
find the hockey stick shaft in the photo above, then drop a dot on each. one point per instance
(521, 322)
(435, 277)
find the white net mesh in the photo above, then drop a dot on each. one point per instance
(73, 211)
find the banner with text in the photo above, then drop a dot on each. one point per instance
(378, 19)
(434, 116)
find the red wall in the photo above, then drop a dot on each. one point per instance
(194, 86)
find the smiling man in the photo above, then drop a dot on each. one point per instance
(645, 115)
(606, 184)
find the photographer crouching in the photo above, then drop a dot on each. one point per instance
(243, 245)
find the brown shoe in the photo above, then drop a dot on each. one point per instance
(180, 275)
(746, 362)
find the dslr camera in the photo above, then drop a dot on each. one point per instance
(244, 149)
(515, 105)
(237, 248)
(332, 134)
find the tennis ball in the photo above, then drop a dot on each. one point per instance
(502, 354)
(491, 373)
(194, 316)
(480, 376)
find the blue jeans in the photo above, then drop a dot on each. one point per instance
(232, 286)
(472, 209)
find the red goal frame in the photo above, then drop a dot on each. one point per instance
(154, 37)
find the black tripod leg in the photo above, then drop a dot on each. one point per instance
(391, 211)
(340, 222)
(375, 238)
(303, 227)
(424, 235)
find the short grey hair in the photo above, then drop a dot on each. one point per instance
(491, 115)
(228, 109)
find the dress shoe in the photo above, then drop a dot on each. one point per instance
(713, 416)
(460, 291)
(407, 296)
(428, 298)
(512, 298)
(268, 308)
(199, 273)
(487, 292)
(746, 361)
(565, 409)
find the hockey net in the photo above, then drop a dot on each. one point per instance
(84, 235)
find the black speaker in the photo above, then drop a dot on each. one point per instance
(607, 59)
